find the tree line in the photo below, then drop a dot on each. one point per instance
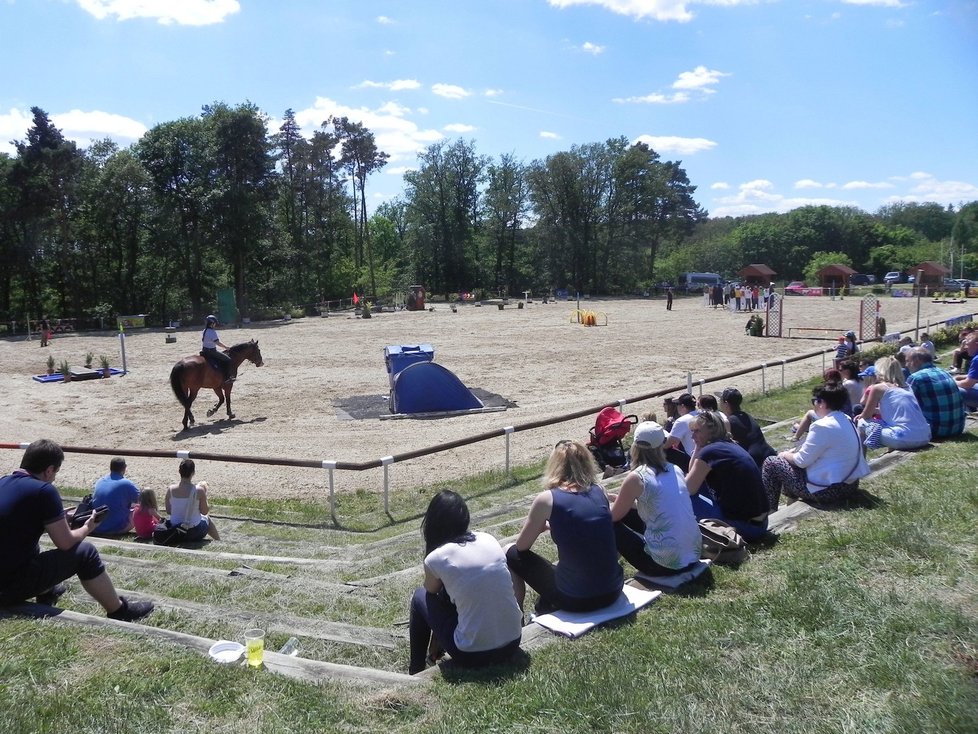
(220, 201)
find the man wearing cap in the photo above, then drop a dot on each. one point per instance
(120, 495)
(967, 383)
(680, 440)
(937, 394)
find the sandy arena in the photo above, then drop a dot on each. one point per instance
(533, 356)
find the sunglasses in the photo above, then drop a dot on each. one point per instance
(563, 442)
(816, 401)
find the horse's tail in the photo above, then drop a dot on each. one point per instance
(177, 384)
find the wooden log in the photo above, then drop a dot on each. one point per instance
(313, 671)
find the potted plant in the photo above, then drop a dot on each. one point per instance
(89, 356)
(65, 370)
(50, 364)
(104, 361)
(365, 312)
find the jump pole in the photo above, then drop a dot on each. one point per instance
(122, 348)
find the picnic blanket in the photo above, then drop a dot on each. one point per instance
(575, 624)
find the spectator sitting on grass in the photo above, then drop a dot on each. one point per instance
(827, 467)
(937, 394)
(901, 423)
(724, 482)
(743, 428)
(968, 383)
(655, 529)
(575, 510)
(121, 495)
(30, 505)
(960, 359)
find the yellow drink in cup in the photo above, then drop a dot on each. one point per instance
(255, 647)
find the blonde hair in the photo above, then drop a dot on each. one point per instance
(888, 369)
(645, 455)
(571, 464)
(714, 424)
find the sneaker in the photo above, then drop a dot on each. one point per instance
(131, 611)
(51, 596)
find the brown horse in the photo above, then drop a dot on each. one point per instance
(192, 373)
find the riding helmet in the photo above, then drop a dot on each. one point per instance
(212, 319)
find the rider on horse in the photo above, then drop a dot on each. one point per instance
(209, 343)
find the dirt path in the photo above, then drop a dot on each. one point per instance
(533, 356)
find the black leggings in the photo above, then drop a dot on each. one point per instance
(539, 574)
(218, 359)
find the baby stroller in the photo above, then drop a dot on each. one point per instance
(610, 427)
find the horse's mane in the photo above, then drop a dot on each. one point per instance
(241, 347)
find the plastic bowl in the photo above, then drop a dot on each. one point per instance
(226, 651)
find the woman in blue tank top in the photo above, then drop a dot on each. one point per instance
(575, 510)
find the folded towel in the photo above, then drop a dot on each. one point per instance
(678, 579)
(575, 624)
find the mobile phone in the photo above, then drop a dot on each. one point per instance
(101, 512)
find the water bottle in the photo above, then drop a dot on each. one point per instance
(291, 647)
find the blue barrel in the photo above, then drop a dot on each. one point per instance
(397, 357)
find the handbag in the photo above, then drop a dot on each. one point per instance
(83, 511)
(166, 534)
(722, 543)
(169, 532)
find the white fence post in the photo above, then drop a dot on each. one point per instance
(330, 466)
(508, 430)
(763, 378)
(385, 462)
(783, 363)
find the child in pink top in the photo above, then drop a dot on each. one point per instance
(145, 517)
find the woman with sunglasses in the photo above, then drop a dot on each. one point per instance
(575, 510)
(827, 467)
(730, 474)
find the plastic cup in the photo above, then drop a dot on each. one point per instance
(255, 647)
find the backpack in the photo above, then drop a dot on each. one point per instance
(722, 543)
(167, 534)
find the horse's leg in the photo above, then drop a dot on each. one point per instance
(227, 391)
(219, 391)
(193, 396)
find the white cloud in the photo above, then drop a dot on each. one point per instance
(929, 188)
(655, 98)
(700, 79)
(398, 170)
(881, 3)
(13, 126)
(493, 92)
(547, 135)
(450, 91)
(592, 48)
(851, 185)
(807, 183)
(395, 86)
(77, 125)
(458, 127)
(384, 20)
(394, 132)
(720, 185)
(182, 12)
(656, 9)
(759, 196)
(675, 144)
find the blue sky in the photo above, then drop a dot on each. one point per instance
(769, 104)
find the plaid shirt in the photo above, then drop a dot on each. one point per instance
(939, 399)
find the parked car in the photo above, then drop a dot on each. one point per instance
(894, 276)
(952, 286)
(795, 288)
(862, 279)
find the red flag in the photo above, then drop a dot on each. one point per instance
(355, 299)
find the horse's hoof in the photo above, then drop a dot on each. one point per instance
(230, 416)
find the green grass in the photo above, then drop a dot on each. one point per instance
(862, 620)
